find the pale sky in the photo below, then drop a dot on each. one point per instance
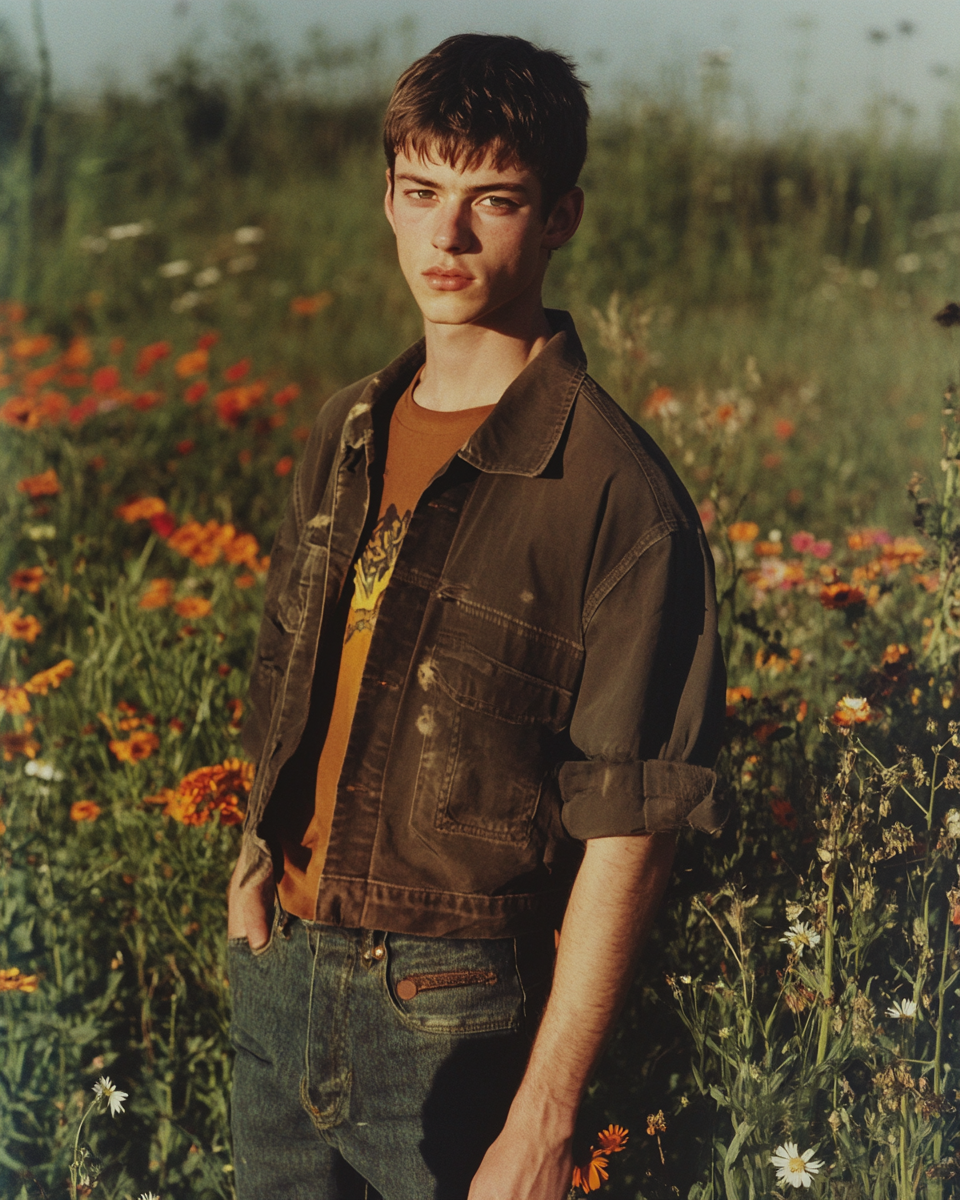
(773, 44)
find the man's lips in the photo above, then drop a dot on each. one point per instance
(441, 280)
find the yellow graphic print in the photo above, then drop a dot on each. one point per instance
(373, 571)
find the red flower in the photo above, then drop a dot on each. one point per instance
(283, 466)
(150, 355)
(239, 370)
(196, 392)
(163, 524)
(105, 379)
(208, 339)
(287, 395)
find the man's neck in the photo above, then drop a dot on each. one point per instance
(472, 365)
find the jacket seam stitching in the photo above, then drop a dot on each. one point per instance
(606, 585)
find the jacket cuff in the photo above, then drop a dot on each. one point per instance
(603, 799)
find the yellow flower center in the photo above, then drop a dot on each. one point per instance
(797, 1166)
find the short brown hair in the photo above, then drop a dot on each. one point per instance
(476, 93)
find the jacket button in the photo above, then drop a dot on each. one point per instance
(406, 989)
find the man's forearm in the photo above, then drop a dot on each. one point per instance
(612, 907)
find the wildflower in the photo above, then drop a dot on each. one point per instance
(194, 362)
(12, 981)
(174, 269)
(27, 579)
(734, 697)
(140, 510)
(841, 595)
(851, 710)
(44, 484)
(801, 936)
(163, 524)
(903, 1010)
(18, 627)
(286, 395)
(52, 677)
(108, 1092)
(19, 743)
(211, 789)
(724, 1032)
(208, 339)
(802, 541)
(233, 402)
(661, 403)
(159, 593)
(149, 1196)
(243, 548)
(783, 813)
(743, 531)
(193, 606)
(589, 1175)
(613, 1139)
(283, 466)
(794, 1167)
(31, 347)
(105, 380)
(207, 277)
(244, 581)
(784, 429)
(84, 810)
(236, 372)
(138, 746)
(952, 823)
(309, 306)
(196, 392)
(236, 712)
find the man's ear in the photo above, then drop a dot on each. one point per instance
(388, 200)
(564, 219)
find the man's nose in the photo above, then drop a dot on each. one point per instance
(453, 232)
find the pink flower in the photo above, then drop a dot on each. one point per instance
(821, 549)
(802, 541)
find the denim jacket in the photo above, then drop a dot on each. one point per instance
(545, 667)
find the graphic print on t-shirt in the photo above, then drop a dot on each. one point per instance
(373, 570)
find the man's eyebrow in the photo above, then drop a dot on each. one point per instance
(497, 186)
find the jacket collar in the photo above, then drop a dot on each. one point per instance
(521, 434)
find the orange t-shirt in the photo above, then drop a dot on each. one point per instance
(420, 441)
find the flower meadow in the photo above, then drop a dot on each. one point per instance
(200, 267)
(804, 974)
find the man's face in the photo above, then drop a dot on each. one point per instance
(471, 241)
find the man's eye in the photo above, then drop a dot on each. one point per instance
(421, 194)
(499, 202)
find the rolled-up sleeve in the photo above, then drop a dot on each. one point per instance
(648, 719)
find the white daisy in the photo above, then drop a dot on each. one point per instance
(903, 1010)
(103, 1089)
(801, 936)
(794, 1167)
(149, 1196)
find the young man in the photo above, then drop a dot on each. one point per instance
(487, 691)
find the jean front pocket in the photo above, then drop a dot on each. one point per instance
(453, 985)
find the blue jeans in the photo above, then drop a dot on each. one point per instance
(371, 1063)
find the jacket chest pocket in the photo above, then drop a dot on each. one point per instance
(488, 731)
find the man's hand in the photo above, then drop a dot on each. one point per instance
(248, 905)
(530, 1160)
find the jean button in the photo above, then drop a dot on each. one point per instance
(377, 952)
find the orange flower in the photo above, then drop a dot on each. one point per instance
(775, 663)
(894, 653)
(194, 362)
(19, 743)
(783, 812)
(236, 713)
(14, 699)
(308, 306)
(802, 708)
(283, 466)
(851, 710)
(78, 355)
(661, 403)
(743, 531)
(243, 548)
(768, 549)
(203, 544)
(784, 429)
(589, 1175)
(147, 400)
(165, 796)
(841, 595)
(52, 677)
(193, 606)
(84, 810)
(27, 579)
(150, 355)
(138, 746)
(208, 790)
(31, 347)
(613, 1139)
(44, 484)
(159, 593)
(232, 403)
(141, 510)
(105, 380)
(244, 581)
(12, 981)
(734, 696)
(20, 628)
(21, 411)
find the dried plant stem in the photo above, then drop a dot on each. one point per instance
(828, 938)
